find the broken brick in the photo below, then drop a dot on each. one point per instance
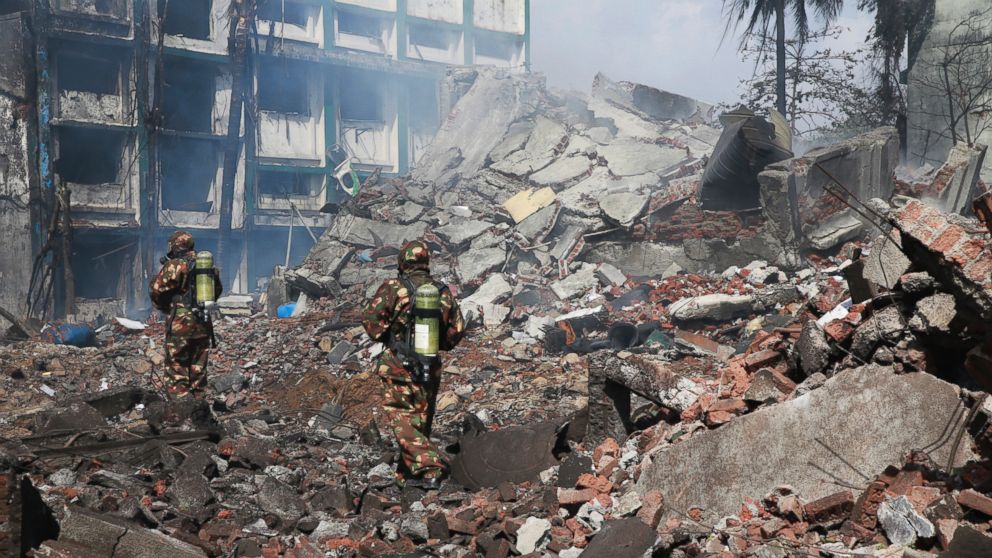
(975, 500)
(831, 508)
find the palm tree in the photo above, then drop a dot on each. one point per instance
(758, 15)
(896, 25)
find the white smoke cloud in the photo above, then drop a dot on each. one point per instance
(670, 44)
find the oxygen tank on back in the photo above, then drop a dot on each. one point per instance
(427, 321)
(204, 274)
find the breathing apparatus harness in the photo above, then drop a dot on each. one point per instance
(196, 293)
(418, 345)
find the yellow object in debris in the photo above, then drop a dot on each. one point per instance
(755, 324)
(528, 202)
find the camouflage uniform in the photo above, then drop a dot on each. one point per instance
(187, 337)
(409, 406)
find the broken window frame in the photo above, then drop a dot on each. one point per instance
(487, 39)
(82, 145)
(122, 15)
(449, 53)
(306, 187)
(381, 42)
(163, 9)
(277, 11)
(347, 94)
(90, 56)
(182, 89)
(273, 94)
(210, 203)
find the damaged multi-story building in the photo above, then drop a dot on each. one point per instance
(949, 94)
(117, 128)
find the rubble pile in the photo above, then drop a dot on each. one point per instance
(653, 366)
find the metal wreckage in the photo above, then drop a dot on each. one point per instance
(683, 340)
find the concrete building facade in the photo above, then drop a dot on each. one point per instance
(120, 112)
(950, 84)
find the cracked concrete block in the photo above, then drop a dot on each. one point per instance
(610, 276)
(532, 534)
(711, 307)
(576, 284)
(813, 348)
(636, 259)
(359, 231)
(537, 153)
(886, 263)
(862, 419)
(934, 314)
(563, 171)
(632, 158)
(280, 499)
(461, 231)
(624, 208)
(472, 265)
(113, 538)
(835, 231)
(884, 325)
(539, 223)
(901, 523)
(479, 122)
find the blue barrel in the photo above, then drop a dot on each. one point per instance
(286, 310)
(70, 334)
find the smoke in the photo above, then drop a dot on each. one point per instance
(673, 45)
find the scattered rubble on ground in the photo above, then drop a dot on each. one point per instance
(650, 367)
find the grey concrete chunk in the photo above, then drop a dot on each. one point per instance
(539, 223)
(837, 230)
(564, 170)
(861, 420)
(901, 523)
(531, 534)
(886, 325)
(636, 259)
(917, 283)
(280, 499)
(610, 276)
(624, 207)
(813, 348)
(711, 307)
(359, 231)
(934, 314)
(472, 265)
(632, 158)
(113, 538)
(461, 231)
(886, 263)
(494, 289)
(577, 283)
(537, 153)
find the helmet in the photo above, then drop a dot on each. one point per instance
(180, 242)
(414, 255)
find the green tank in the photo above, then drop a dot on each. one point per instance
(205, 278)
(427, 321)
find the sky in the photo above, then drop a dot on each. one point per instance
(673, 45)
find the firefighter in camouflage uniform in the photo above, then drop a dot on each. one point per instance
(187, 333)
(408, 401)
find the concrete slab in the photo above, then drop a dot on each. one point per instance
(631, 157)
(537, 153)
(462, 230)
(841, 434)
(359, 231)
(624, 207)
(472, 265)
(562, 171)
(886, 263)
(711, 307)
